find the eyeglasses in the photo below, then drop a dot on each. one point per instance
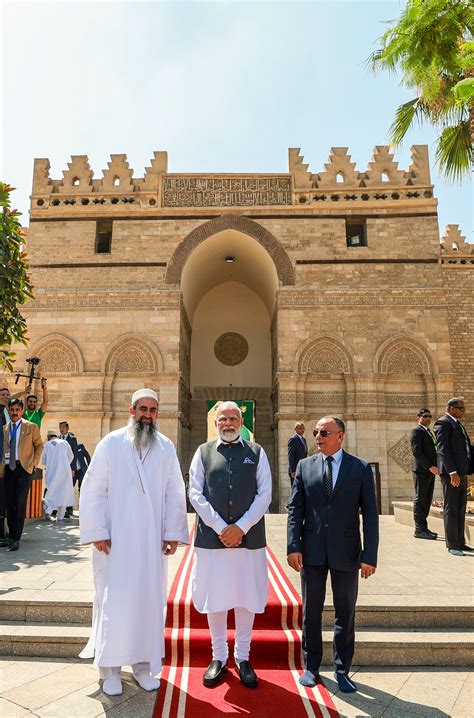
(324, 432)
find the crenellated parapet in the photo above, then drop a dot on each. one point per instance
(340, 181)
(118, 192)
(455, 251)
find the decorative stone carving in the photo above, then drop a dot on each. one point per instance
(132, 357)
(401, 453)
(78, 177)
(231, 348)
(203, 191)
(382, 163)
(324, 356)
(339, 164)
(57, 358)
(403, 360)
(302, 177)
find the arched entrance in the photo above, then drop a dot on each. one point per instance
(229, 283)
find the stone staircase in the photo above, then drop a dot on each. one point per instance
(386, 635)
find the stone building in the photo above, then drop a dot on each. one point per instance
(306, 293)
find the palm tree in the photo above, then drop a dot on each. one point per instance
(431, 44)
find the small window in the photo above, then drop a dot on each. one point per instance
(116, 181)
(340, 177)
(356, 234)
(384, 177)
(103, 237)
(76, 182)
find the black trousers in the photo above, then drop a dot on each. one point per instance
(17, 486)
(424, 486)
(454, 514)
(344, 591)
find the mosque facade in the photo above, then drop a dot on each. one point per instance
(305, 293)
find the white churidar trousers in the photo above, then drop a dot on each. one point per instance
(137, 668)
(243, 634)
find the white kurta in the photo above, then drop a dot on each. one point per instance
(137, 504)
(57, 457)
(230, 577)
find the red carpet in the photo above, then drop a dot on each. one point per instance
(275, 655)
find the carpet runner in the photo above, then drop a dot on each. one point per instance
(275, 655)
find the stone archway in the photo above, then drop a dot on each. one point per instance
(283, 265)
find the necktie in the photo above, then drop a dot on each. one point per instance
(12, 460)
(433, 438)
(328, 476)
(468, 448)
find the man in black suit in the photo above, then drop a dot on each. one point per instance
(329, 490)
(83, 461)
(72, 441)
(297, 449)
(455, 462)
(425, 469)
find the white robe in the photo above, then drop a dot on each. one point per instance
(137, 504)
(228, 578)
(57, 457)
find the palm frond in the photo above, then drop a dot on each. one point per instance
(454, 151)
(404, 116)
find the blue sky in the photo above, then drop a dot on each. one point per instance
(223, 87)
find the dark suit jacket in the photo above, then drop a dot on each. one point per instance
(423, 449)
(72, 441)
(452, 451)
(328, 530)
(296, 451)
(83, 457)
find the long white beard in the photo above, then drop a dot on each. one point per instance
(143, 435)
(229, 435)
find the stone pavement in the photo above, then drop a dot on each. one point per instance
(415, 577)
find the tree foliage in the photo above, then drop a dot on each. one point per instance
(15, 284)
(431, 45)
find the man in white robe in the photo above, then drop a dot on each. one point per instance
(56, 458)
(133, 509)
(230, 487)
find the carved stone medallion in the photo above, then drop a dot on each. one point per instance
(231, 348)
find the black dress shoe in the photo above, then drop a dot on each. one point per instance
(425, 535)
(246, 674)
(214, 673)
(4, 542)
(467, 548)
(14, 545)
(432, 533)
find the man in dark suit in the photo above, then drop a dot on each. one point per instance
(83, 461)
(329, 490)
(297, 449)
(4, 418)
(72, 441)
(425, 469)
(455, 462)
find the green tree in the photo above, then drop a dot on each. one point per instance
(431, 45)
(15, 284)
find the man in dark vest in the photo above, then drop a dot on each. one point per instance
(425, 469)
(455, 462)
(230, 487)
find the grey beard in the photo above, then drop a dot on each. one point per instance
(143, 435)
(230, 436)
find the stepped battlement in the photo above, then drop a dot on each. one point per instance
(381, 184)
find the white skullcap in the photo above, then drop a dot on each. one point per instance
(52, 432)
(144, 394)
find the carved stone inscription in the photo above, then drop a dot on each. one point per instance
(195, 191)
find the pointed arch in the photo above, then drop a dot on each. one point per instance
(59, 355)
(403, 355)
(282, 262)
(133, 354)
(323, 355)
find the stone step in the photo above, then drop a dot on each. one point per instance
(368, 616)
(385, 646)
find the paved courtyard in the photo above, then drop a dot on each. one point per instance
(52, 567)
